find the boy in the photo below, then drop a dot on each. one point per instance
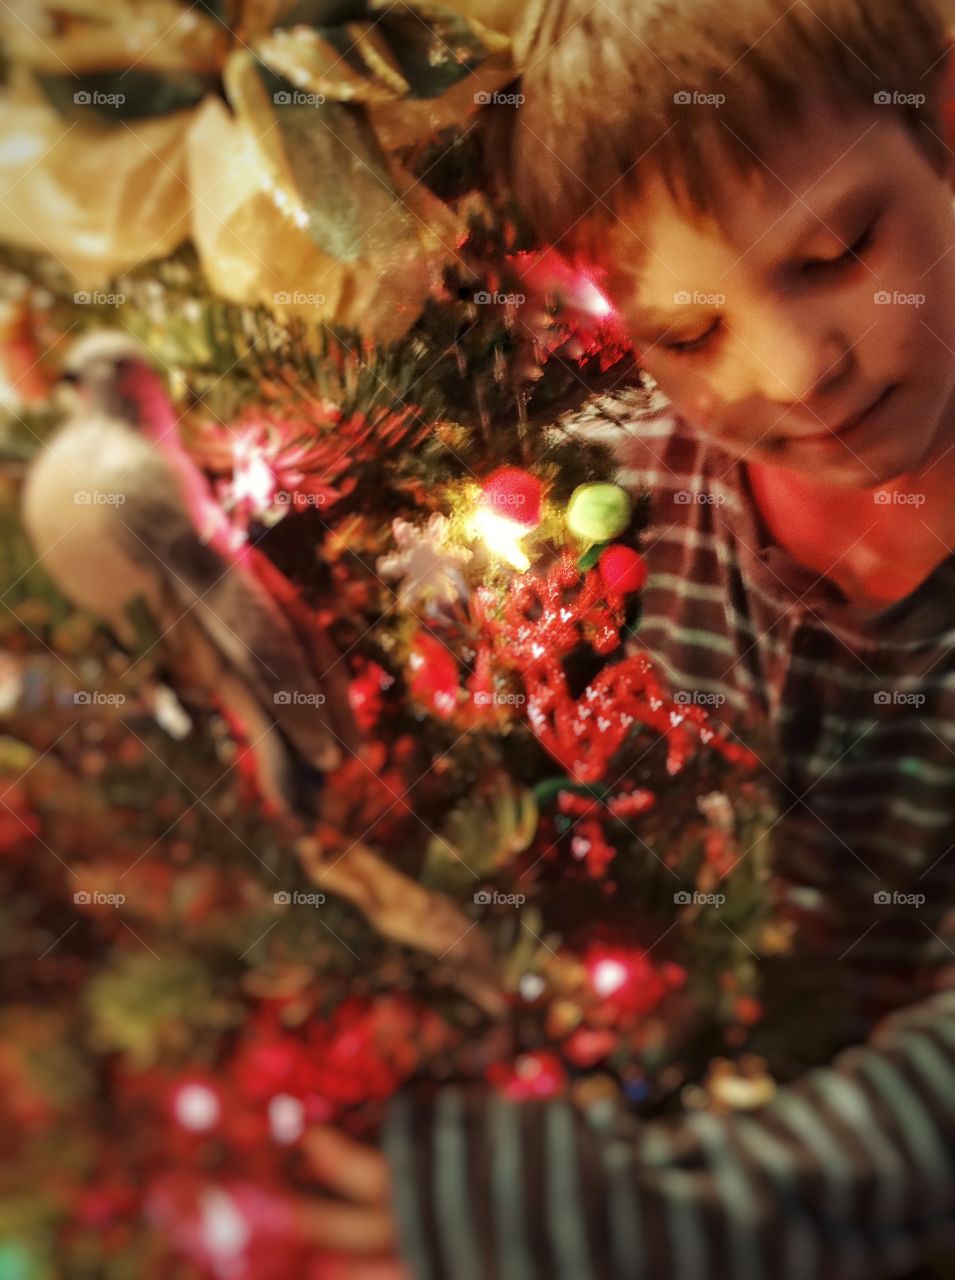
(766, 186)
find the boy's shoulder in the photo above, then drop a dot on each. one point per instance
(653, 445)
(612, 416)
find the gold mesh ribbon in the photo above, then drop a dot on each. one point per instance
(271, 142)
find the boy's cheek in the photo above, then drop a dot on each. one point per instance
(702, 408)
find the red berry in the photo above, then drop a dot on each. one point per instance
(515, 493)
(622, 568)
(748, 1009)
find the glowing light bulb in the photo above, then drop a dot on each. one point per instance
(252, 481)
(502, 537)
(197, 1107)
(590, 299)
(608, 976)
(286, 1118)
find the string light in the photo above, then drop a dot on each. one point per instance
(608, 976)
(252, 478)
(502, 537)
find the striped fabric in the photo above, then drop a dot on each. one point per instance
(849, 1172)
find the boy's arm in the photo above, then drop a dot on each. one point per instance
(850, 1172)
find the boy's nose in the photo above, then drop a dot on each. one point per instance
(797, 369)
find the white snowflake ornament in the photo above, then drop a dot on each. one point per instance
(427, 563)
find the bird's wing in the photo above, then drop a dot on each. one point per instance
(233, 608)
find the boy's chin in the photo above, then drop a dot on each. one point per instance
(848, 475)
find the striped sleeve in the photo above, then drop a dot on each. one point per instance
(848, 1173)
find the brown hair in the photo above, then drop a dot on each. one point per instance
(603, 79)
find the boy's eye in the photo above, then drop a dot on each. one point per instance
(855, 250)
(689, 345)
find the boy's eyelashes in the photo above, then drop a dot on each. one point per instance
(687, 346)
(853, 253)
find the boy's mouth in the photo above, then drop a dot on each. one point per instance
(845, 431)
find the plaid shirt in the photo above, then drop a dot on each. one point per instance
(850, 1171)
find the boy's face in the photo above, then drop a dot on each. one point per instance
(827, 282)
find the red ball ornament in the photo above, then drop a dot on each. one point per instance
(748, 1009)
(622, 568)
(538, 1074)
(433, 674)
(627, 981)
(586, 1047)
(514, 493)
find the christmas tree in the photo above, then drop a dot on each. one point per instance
(536, 865)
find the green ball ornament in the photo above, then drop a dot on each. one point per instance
(598, 512)
(15, 1262)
